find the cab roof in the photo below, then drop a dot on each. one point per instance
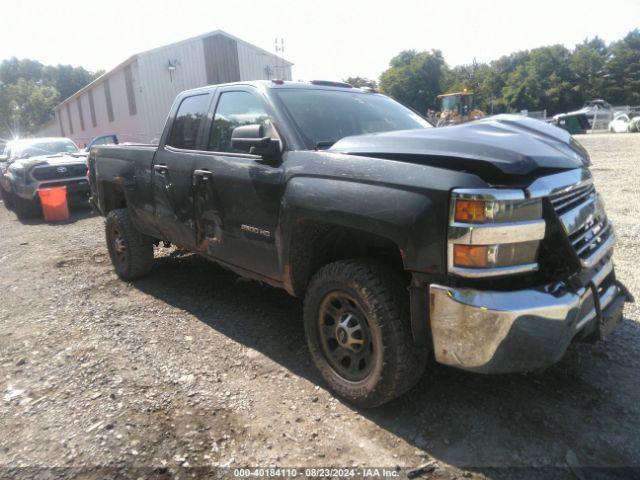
(276, 84)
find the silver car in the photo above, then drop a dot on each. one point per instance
(29, 164)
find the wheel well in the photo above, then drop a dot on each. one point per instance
(114, 197)
(314, 245)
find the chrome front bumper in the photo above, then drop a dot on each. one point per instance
(517, 331)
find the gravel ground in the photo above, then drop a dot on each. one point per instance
(195, 367)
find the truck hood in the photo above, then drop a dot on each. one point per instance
(58, 159)
(499, 146)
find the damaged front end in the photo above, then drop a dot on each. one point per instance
(546, 256)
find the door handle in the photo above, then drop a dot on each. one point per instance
(201, 175)
(161, 169)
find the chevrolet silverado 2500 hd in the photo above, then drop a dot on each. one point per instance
(485, 243)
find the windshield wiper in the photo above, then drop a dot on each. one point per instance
(324, 145)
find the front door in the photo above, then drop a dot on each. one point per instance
(172, 171)
(237, 195)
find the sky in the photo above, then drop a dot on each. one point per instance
(325, 39)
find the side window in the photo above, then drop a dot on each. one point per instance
(184, 132)
(107, 140)
(234, 110)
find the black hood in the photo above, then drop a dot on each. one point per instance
(56, 159)
(504, 144)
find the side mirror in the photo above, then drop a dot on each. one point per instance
(250, 138)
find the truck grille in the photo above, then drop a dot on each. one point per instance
(55, 172)
(582, 215)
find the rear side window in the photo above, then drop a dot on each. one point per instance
(184, 133)
(234, 110)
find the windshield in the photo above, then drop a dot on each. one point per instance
(52, 146)
(324, 116)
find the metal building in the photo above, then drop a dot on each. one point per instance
(134, 98)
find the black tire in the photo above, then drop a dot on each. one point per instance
(395, 364)
(131, 252)
(26, 209)
(7, 198)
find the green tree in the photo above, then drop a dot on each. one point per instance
(67, 79)
(587, 63)
(415, 78)
(26, 105)
(360, 82)
(543, 81)
(30, 90)
(622, 70)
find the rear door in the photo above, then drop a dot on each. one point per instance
(172, 170)
(237, 195)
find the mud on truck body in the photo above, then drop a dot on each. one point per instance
(485, 245)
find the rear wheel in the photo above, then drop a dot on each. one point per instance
(357, 325)
(131, 251)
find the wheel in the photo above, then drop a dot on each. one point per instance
(26, 209)
(131, 252)
(7, 198)
(356, 318)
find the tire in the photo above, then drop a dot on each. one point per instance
(131, 252)
(7, 198)
(386, 362)
(26, 209)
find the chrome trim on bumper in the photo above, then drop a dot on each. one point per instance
(500, 332)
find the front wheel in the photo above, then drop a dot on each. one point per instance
(7, 198)
(357, 325)
(131, 251)
(26, 209)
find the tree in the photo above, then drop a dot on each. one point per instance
(543, 81)
(622, 70)
(67, 79)
(26, 105)
(415, 78)
(360, 82)
(587, 63)
(30, 90)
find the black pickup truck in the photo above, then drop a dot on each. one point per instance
(484, 245)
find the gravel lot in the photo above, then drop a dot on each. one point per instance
(195, 367)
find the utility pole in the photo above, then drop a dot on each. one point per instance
(279, 67)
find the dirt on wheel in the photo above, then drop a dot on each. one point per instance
(193, 371)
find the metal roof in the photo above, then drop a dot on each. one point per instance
(133, 57)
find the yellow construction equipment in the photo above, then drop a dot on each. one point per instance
(456, 108)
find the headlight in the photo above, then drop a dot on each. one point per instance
(493, 232)
(20, 173)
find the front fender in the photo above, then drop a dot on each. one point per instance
(414, 221)
(17, 185)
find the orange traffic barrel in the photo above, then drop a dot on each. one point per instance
(54, 203)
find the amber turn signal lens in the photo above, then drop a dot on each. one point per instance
(469, 211)
(470, 255)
